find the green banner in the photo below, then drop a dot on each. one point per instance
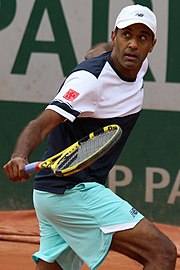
(40, 42)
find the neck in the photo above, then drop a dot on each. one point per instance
(128, 73)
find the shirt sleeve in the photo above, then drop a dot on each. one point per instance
(79, 94)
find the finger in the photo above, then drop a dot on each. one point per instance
(8, 170)
(15, 171)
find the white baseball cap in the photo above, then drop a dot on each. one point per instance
(136, 14)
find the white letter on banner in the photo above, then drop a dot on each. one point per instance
(113, 182)
(175, 190)
(151, 185)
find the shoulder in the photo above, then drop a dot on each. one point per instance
(93, 65)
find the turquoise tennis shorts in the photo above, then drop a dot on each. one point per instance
(78, 226)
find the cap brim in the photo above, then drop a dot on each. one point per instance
(127, 23)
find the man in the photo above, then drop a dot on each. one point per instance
(80, 219)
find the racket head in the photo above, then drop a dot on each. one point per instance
(87, 150)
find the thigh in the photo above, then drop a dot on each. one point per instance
(140, 243)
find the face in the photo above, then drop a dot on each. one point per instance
(131, 46)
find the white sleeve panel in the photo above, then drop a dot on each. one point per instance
(80, 91)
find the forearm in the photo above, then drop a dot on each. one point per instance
(35, 132)
(28, 140)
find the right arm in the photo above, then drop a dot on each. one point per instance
(28, 141)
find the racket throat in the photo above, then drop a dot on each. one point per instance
(64, 163)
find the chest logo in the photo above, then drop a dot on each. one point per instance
(71, 95)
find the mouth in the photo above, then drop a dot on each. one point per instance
(130, 56)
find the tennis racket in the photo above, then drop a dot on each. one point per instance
(81, 154)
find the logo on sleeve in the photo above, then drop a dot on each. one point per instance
(71, 95)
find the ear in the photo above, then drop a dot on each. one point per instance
(153, 44)
(113, 37)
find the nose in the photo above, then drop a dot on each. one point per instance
(133, 44)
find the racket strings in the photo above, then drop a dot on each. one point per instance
(67, 160)
(86, 149)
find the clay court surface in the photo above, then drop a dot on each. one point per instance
(19, 238)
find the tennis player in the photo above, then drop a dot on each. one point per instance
(80, 219)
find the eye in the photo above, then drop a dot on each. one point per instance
(126, 35)
(142, 37)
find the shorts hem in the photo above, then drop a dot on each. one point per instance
(120, 227)
(44, 258)
(94, 265)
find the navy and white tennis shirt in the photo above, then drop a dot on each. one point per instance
(93, 95)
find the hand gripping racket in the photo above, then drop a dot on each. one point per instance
(81, 154)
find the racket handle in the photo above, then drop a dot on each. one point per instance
(32, 167)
